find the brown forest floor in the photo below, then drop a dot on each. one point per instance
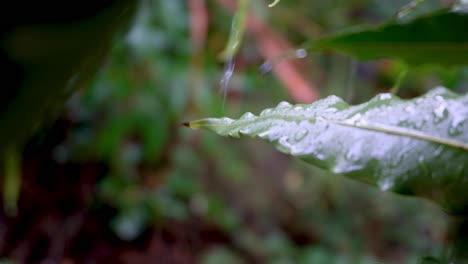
(60, 221)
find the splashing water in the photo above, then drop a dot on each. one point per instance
(232, 47)
(268, 65)
(229, 67)
(407, 9)
(274, 3)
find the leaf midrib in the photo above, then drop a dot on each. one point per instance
(382, 128)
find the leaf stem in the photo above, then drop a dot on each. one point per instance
(274, 3)
(400, 77)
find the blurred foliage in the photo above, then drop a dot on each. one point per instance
(271, 208)
(43, 61)
(423, 40)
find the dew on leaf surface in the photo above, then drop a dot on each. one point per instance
(266, 112)
(247, 116)
(385, 184)
(284, 104)
(300, 135)
(440, 113)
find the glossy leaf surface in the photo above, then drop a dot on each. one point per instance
(416, 147)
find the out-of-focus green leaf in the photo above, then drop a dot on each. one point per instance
(12, 179)
(417, 146)
(237, 30)
(53, 60)
(220, 255)
(437, 38)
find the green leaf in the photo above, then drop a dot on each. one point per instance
(12, 180)
(237, 31)
(437, 38)
(48, 62)
(417, 146)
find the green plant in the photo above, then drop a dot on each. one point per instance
(121, 176)
(414, 147)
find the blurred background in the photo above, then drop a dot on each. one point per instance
(116, 179)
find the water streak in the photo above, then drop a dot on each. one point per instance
(268, 65)
(229, 67)
(407, 9)
(235, 39)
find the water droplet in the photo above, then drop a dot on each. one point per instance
(439, 90)
(317, 151)
(410, 109)
(362, 122)
(455, 130)
(226, 120)
(351, 156)
(244, 131)
(300, 135)
(266, 112)
(284, 104)
(298, 108)
(386, 184)
(247, 116)
(440, 113)
(283, 141)
(264, 134)
(354, 119)
(228, 72)
(331, 100)
(266, 67)
(301, 53)
(355, 151)
(456, 127)
(384, 96)
(320, 156)
(396, 160)
(342, 167)
(330, 110)
(438, 151)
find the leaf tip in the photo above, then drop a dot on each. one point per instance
(193, 124)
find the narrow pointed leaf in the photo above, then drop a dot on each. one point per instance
(437, 38)
(416, 147)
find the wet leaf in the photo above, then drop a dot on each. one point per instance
(437, 38)
(416, 147)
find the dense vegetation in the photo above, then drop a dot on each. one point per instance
(116, 177)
